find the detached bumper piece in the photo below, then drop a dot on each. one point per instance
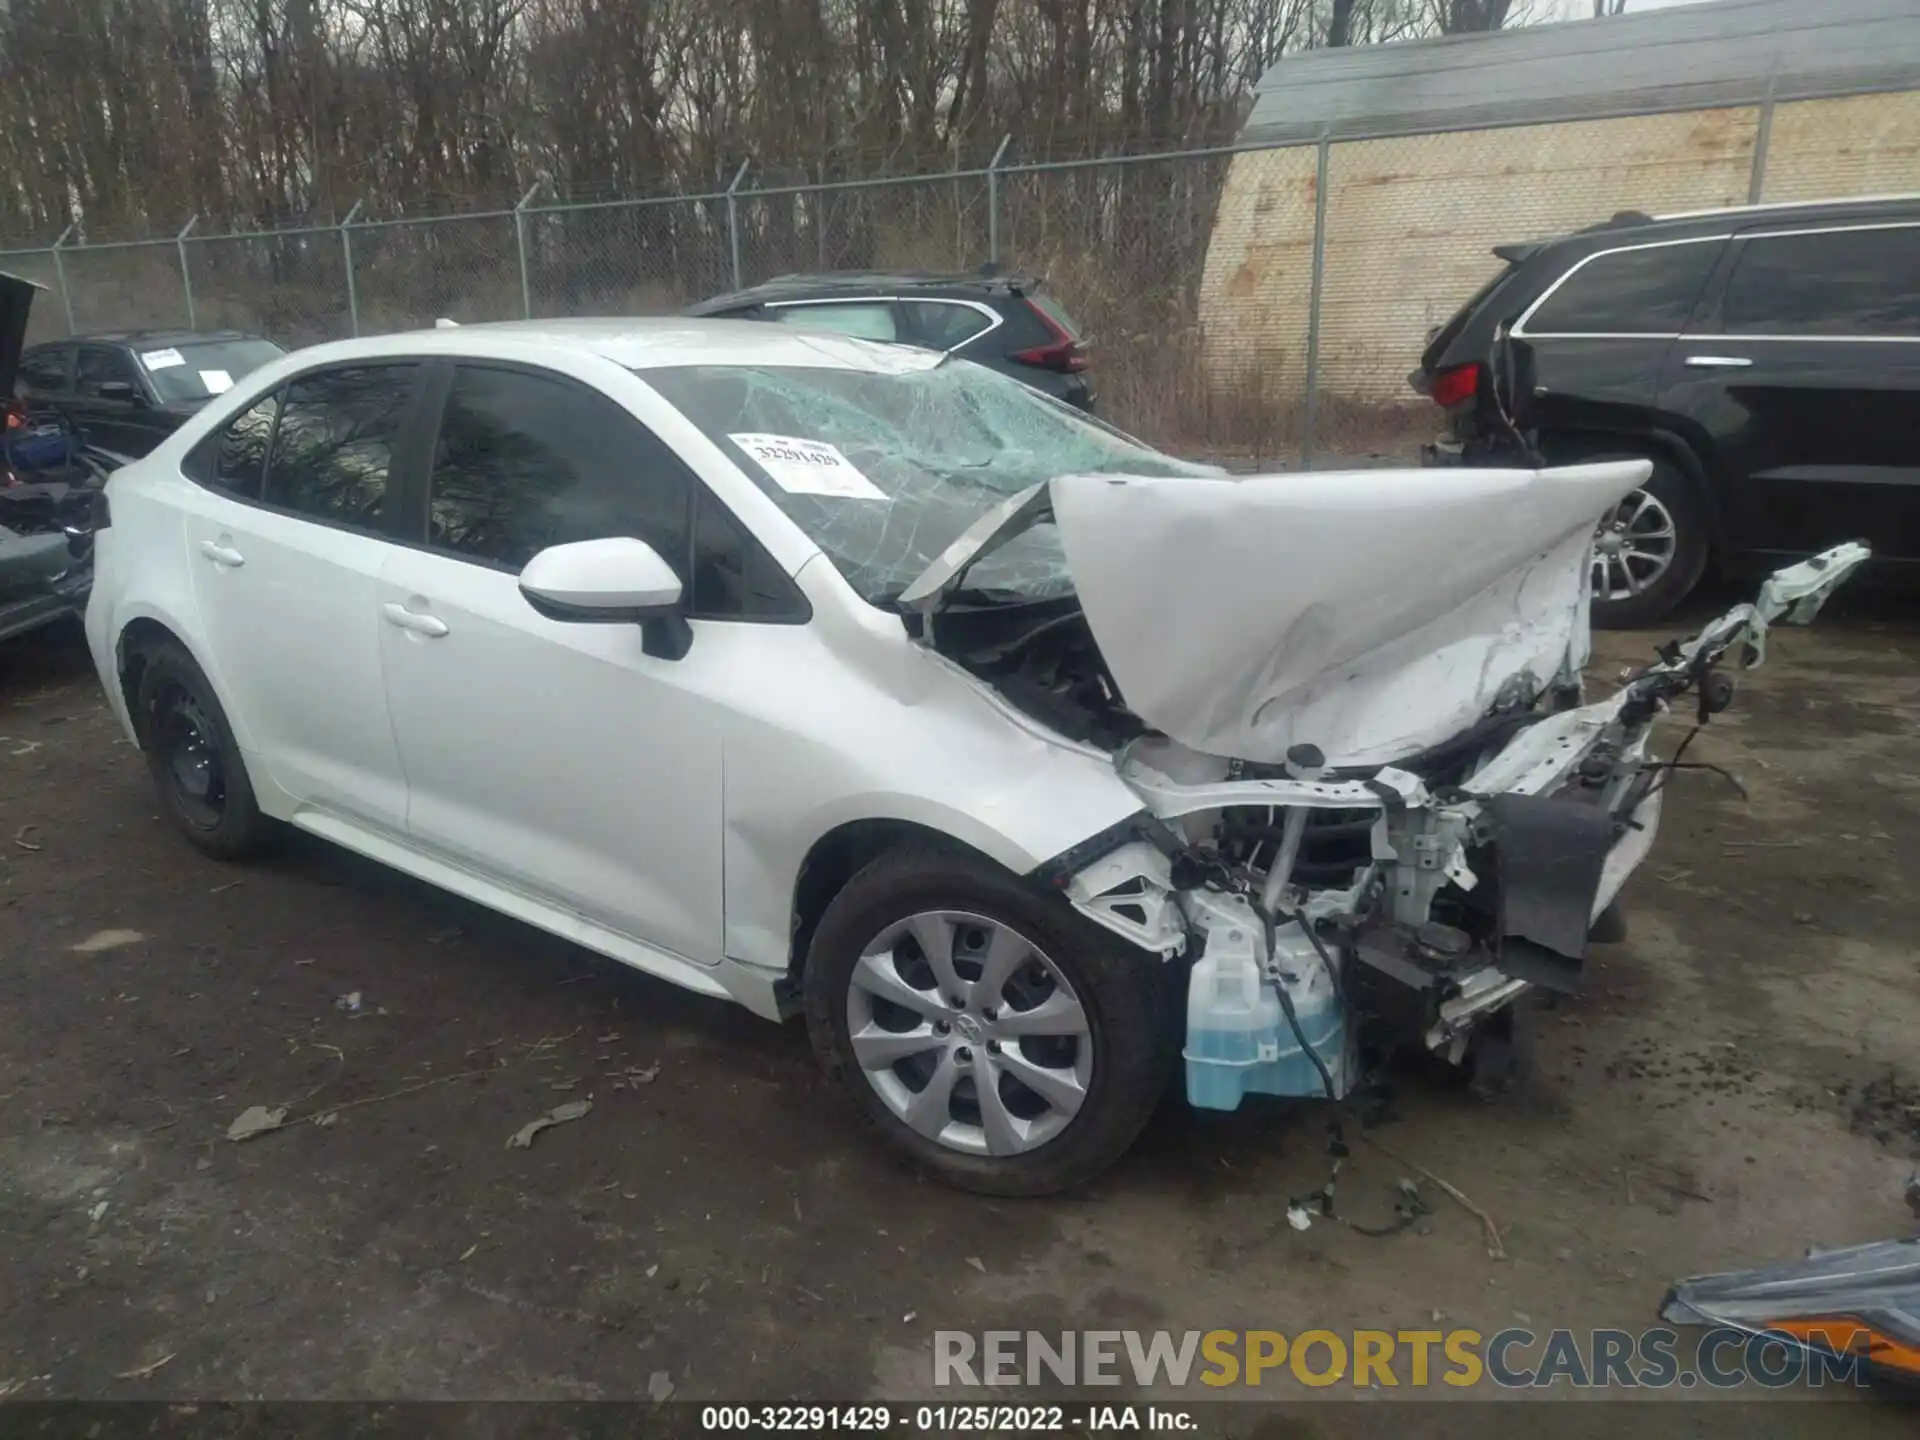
(1861, 1303)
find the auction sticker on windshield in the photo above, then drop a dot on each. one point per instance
(808, 467)
(162, 359)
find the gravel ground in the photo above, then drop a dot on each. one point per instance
(1738, 1082)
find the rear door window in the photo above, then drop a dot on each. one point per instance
(862, 319)
(334, 446)
(1831, 283)
(1650, 290)
(239, 459)
(45, 371)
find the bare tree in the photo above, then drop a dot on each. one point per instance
(127, 116)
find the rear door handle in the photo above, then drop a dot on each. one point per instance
(1719, 362)
(220, 554)
(413, 620)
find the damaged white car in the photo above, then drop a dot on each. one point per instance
(833, 676)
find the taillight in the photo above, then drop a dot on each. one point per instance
(1455, 385)
(16, 414)
(1063, 352)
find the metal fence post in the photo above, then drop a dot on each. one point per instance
(1763, 138)
(1310, 422)
(60, 275)
(733, 220)
(346, 253)
(520, 241)
(186, 275)
(993, 200)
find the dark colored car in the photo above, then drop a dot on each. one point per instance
(1006, 322)
(1766, 359)
(47, 485)
(126, 392)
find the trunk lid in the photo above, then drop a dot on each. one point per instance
(1369, 613)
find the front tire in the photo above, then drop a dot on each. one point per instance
(988, 1036)
(1649, 553)
(195, 762)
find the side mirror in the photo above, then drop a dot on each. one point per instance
(119, 390)
(620, 581)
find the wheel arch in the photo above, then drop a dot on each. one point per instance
(137, 638)
(1573, 444)
(841, 853)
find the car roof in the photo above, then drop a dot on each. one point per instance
(845, 282)
(1633, 227)
(634, 343)
(157, 337)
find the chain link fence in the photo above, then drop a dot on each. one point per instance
(1256, 305)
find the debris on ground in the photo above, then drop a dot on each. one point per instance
(1298, 1217)
(97, 1213)
(348, 1003)
(1495, 1250)
(256, 1120)
(633, 1077)
(1860, 1300)
(522, 1138)
(977, 1263)
(20, 835)
(145, 1372)
(106, 940)
(659, 1386)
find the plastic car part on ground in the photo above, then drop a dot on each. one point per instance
(1862, 1301)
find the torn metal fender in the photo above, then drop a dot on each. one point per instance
(1862, 1301)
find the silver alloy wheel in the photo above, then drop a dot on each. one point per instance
(1633, 547)
(969, 1033)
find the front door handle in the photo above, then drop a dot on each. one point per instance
(431, 625)
(1718, 362)
(220, 554)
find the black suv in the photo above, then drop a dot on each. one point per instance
(126, 392)
(1005, 322)
(1766, 359)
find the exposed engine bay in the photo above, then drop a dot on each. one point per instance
(49, 482)
(1334, 914)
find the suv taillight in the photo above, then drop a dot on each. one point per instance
(1062, 353)
(1455, 385)
(15, 412)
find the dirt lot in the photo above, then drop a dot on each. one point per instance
(1739, 1082)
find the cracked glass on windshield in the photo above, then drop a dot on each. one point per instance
(884, 471)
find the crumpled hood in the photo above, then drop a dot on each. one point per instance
(1370, 613)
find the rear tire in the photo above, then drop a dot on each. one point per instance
(1094, 1088)
(1650, 552)
(195, 762)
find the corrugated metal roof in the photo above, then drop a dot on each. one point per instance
(1730, 52)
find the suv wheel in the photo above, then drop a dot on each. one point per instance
(988, 1035)
(1649, 553)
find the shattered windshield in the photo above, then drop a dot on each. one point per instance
(884, 471)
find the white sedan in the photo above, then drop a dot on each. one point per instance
(837, 677)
